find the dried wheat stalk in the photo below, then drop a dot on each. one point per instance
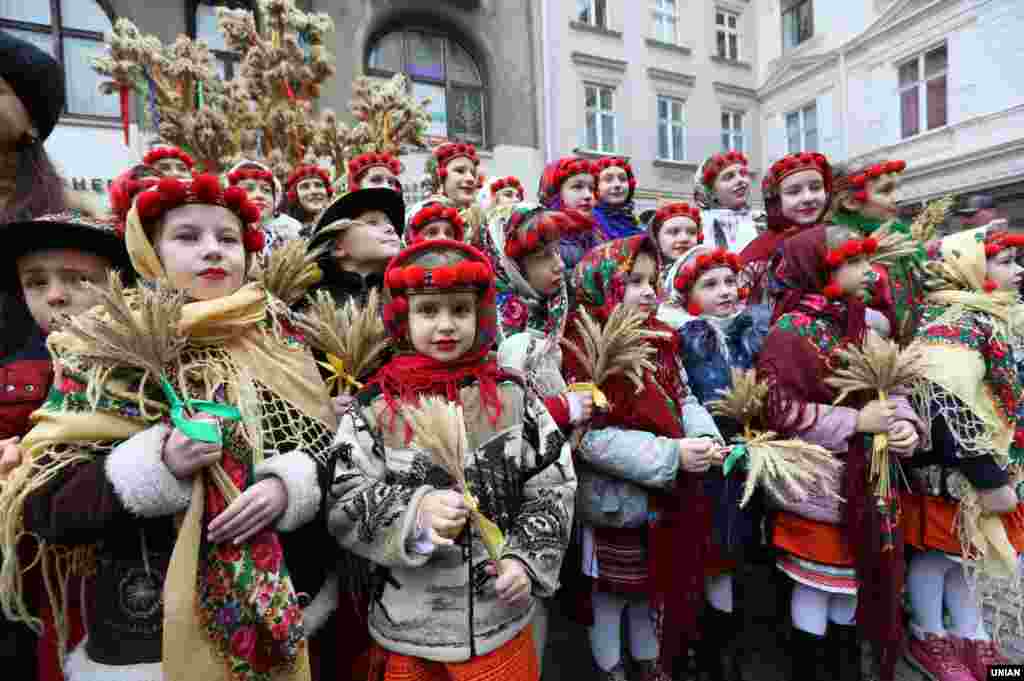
(439, 427)
(789, 468)
(352, 335)
(291, 270)
(894, 246)
(925, 226)
(621, 347)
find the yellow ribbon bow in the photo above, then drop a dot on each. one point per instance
(338, 377)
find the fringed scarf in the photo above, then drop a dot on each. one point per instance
(616, 222)
(795, 360)
(678, 539)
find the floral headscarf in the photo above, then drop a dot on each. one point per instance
(520, 307)
(600, 278)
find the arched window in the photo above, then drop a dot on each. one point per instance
(203, 18)
(71, 31)
(441, 69)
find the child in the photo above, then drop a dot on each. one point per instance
(109, 470)
(864, 199)
(568, 184)
(501, 191)
(675, 227)
(718, 333)
(438, 614)
(453, 171)
(364, 229)
(434, 218)
(796, 195)
(169, 161)
(374, 171)
(645, 518)
(964, 515)
(264, 190)
(722, 188)
(831, 555)
(615, 188)
(307, 192)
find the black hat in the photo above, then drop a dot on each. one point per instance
(353, 204)
(972, 204)
(67, 229)
(36, 78)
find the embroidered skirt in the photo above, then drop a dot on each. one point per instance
(514, 661)
(816, 554)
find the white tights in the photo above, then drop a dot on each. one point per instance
(719, 591)
(812, 609)
(935, 579)
(606, 634)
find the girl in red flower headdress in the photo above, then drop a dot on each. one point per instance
(722, 190)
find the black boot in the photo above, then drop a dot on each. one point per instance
(809, 657)
(720, 649)
(846, 652)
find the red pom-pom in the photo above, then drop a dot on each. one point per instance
(173, 189)
(700, 237)
(833, 291)
(900, 166)
(680, 283)
(253, 240)
(414, 276)
(443, 277)
(694, 308)
(206, 188)
(393, 279)
(234, 197)
(149, 205)
(858, 180)
(861, 196)
(835, 258)
(397, 309)
(734, 261)
(743, 293)
(293, 196)
(442, 172)
(990, 286)
(703, 261)
(250, 212)
(532, 240)
(632, 184)
(851, 249)
(991, 250)
(869, 245)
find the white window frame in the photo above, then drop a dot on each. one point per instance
(801, 115)
(592, 21)
(794, 6)
(922, 89)
(737, 140)
(669, 125)
(600, 115)
(724, 29)
(661, 16)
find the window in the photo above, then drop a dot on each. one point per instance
(802, 129)
(728, 34)
(438, 68)
(600, 118)
(732, 130)
(593, 12)
(204, 28)
(923, 100)
(671, 129)
(71, 31)
(797, 22)
(665, 21)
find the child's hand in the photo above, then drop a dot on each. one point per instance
(999, 500)
(696, 454)
(255, 509)
(513, 584)
(10, 456)
(340, 403)
(183, 456)
(875, 417)
(903, 437)
(442, 514)
(584, 406)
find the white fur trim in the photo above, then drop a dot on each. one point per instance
(143, 482)
(298, 473)
(325, 603)
(78, 667)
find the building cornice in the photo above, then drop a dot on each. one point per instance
(671, 77)
(737, 90)
(584, 59)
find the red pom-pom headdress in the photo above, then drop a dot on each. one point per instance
(448, 152)
(997, 241)
(570, 167)
(614, 162)
(431, 212)
(541, 227)
(689, 275)
(301, 173)
(250, 173)
(169, 193)
(719, 162)
(795, 163)
(159, 153)
(358, 166)
(509, 181)
(125, 188)
(856, 180)
(676, 210)
(854, 248)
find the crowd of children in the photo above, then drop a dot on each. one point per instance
(182, 498)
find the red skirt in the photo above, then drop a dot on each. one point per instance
(514, 661)
(930, 523)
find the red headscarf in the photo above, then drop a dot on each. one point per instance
(796, 370)
(679, 541)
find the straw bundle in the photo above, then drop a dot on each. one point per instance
(439, 427)
(291, 270)
(925, 226)
(790, 469)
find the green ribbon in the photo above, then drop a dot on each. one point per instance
(736, 454)
(198, 430)
(199, 95)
